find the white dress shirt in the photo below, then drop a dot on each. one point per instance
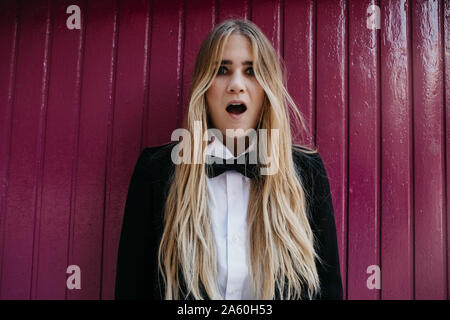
(228, 200)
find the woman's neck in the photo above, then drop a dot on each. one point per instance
(237, 141)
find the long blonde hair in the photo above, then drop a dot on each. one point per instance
(280, 241)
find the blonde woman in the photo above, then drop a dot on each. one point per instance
(197, 226)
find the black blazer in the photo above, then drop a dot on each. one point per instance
(137, 276)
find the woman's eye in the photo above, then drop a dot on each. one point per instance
(221, 70)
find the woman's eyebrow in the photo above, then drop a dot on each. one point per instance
(245, 63)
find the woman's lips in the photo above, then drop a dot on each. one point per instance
(236, 116)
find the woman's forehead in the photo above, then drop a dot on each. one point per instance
(235, 53)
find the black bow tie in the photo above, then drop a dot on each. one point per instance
(241, 165)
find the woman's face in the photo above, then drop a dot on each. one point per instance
(235, 83)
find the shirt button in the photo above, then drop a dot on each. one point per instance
(235, 238)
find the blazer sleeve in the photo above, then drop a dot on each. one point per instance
(326, 239)
(136, 239)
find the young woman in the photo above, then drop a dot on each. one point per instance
(196, 230)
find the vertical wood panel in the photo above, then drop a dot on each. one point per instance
(109, 258)
(430, 255)
(9, 24)
(446, 35)
(397, 170)
(165, 72)
(42, 128)
(299, 56)
(24, 170)
(364, 154)
(234, 9)
(332, 111)
(94, 116)
(147, 50)
(53, 221)
(129, 94)
(267, 14)
(199, 18)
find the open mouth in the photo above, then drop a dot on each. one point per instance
(236, 108)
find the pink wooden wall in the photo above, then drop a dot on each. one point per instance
(78, 106)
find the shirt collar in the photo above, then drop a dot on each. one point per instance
(217, 149)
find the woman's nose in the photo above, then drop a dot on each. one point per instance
(236, 83)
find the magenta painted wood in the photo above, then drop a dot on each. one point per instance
(78, 106)
(166, 62)
(126, 132)
(199, 18)
(332, 112)
(429, 157)
(397, 202)
(55, 214)
(9, 13)
(267, 14)
(22, 208)
(232, 9)
(95, 115)
(299, 57)
(364, 152)
(446, 35)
